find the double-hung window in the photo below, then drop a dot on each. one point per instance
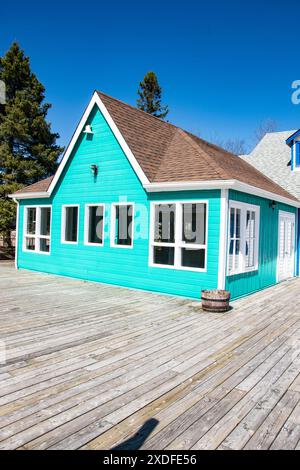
(69, 224)
(243, 237)
(178, 237)
(37, 227)
(94, 224)
(122, 220)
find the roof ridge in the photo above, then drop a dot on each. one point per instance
(208, 159)
(134, 108)
(138, 109)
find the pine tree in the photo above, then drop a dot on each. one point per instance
(28, 150)
(150, 97)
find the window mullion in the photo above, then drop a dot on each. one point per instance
(178, 233)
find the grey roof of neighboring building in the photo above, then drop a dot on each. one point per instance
(272, 156)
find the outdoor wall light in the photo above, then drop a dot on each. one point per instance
(272, 205)
(94, 169)
(88, 129)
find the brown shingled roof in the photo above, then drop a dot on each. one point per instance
(40, 186)
(167, 153)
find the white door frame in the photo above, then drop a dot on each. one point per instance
(291, 216)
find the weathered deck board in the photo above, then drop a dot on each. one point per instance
(89, 364)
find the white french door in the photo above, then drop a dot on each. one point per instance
(286, 246)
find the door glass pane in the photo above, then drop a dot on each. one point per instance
(232, 218)
(44, 245)
(45, 220)
(31, 220)
(193, 258)
(238, 223)
(123, 228)
(95, 228)
(164, 223)
(71, 224)
(163, 255)
(30, 243)
(194, 223)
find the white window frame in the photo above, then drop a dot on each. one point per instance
(244, 207)
(113, 225)
(87, 223)
(63, 224)
(178, 243)
(37, 236)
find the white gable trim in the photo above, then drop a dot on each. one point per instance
(96, 100)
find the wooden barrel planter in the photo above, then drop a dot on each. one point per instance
(215, 300)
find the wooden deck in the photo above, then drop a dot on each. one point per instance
(91, 366)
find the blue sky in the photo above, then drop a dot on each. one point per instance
(224, 66)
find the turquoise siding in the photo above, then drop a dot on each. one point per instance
(116, 181)
(265, 276)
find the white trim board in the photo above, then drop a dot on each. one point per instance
(223, 239)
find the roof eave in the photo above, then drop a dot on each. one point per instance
(219, 184)
(30, 195)
(290, 139)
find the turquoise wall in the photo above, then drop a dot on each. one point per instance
(116, 181)
(265, 276)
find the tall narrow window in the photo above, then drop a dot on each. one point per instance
(250, 236)
(70, 224)
(37, 229)
(235, 239)
(94, 224)
(164, 234)
(178, 237)
(243, 238)
(193, 235)
(122, 225)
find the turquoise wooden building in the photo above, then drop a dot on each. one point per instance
(140, 203)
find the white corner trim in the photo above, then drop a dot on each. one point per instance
(96, 100)
(17, 233)
(223, 239)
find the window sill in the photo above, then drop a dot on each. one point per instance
(128, 247)
(178, 268)
(36, 252)
(93, 244)
(63, 242)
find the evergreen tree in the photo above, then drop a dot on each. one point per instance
(150, 97)
(28, 150)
